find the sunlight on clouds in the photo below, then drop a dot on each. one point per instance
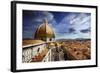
(76, 21)
(65, 24)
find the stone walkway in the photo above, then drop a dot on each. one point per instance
(57, 54)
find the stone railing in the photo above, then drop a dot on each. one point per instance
(47, 58)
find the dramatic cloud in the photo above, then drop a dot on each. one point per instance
(71, 30)
(80, 21)
(76, 23)
(41, 16)
(32, 20)
(85, 30)
(65, 24)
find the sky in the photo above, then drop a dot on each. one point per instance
(66, 25)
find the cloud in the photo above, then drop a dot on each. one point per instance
(81, 21)
(85, 30)
(70, 25)
(72, 36)
(71, 30)
(28, 34)
(40, 16)
(75, 25)
(62, 27)
(32, 20)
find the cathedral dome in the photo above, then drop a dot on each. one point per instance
(44, 31)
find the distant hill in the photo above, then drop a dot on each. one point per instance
(73, 39)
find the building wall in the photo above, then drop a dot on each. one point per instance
(26, 55)
(31, 52)
(38, 49)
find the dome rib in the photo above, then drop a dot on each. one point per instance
(44, 31)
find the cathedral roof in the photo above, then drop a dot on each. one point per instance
(44, 30)
(27, 42)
